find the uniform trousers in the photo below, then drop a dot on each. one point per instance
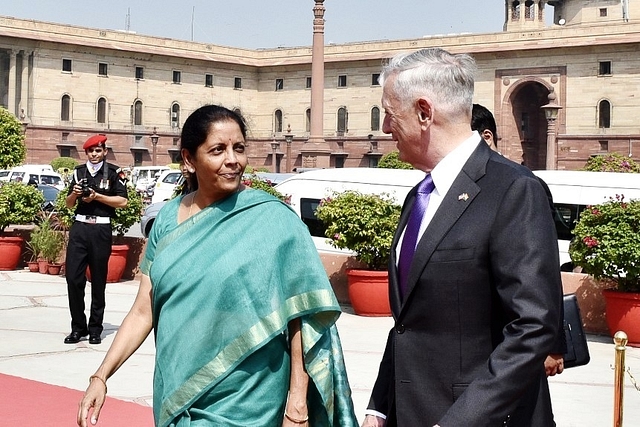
(89, 245)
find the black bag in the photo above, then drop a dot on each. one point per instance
(577, 350)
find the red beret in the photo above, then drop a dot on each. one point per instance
(95, 140)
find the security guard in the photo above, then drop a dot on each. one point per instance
(98, 188)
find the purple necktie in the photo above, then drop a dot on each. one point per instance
(412, 230)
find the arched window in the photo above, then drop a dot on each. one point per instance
(604, 114)
(137, 113)
(102, 111)
(175, 115)
(277, 121)
(307, 118)
(375, 119)
(529, 9)
(515, 10)
(65, 108)
(343, 118)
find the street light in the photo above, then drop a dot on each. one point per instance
(274, 147)
(154, 143)
(551, 114)
(288, 138)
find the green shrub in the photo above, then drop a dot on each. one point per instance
(12, 148)
(258, 183)
(363, 223)
(612, 162)
(607, 242)
(19, 204)
(392, 161)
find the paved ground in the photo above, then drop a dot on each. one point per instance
(34, 320)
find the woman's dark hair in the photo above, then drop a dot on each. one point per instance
(196, 129)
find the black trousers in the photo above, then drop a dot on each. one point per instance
(89, 245)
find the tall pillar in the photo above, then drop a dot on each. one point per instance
(11, 96)
(316, 152)
(23, 106)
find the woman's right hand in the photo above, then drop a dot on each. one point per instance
(94, 398)
(373, 421)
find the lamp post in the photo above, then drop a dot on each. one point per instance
(288, 138)
(274, 147)
(154, 143)
(551, 114)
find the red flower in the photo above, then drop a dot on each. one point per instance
(590, 242)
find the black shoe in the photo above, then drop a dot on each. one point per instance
(94, 339)
(74, 337)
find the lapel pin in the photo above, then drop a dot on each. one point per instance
(463, 196)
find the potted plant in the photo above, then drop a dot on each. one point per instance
(121, 223)
(364, 224)
(607, 246)
(19, 205)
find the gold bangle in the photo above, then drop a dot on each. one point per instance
(101, 380)
(295, 420)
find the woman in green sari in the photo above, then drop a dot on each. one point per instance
(242, 312)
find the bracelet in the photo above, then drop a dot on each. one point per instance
(100, 378)
(296, 420)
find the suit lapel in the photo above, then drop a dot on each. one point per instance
(459, 197)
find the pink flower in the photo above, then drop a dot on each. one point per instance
(336, 236)
(590, 242)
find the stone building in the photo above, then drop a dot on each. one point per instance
(65, 83)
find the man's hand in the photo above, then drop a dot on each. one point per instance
(373, 421)
(554, 364)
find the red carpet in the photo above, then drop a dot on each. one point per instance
(27, 403)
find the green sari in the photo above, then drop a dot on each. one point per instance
(225, 283)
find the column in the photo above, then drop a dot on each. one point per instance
(11, 96)
(23, 107)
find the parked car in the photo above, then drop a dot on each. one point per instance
(165, 185)
(4, 175)
(38, 174)
(143, 176)
(50, 193)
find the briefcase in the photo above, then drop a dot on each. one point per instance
(577, 350)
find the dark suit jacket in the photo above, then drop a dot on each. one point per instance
(483, 306)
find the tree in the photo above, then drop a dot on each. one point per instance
(392, 161)
(12, 148)
(63, 163)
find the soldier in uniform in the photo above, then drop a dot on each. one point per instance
(98, 188)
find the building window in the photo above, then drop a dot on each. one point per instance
(375, 119)
(308, 85)
(208, 80)
(277, 121)
(604, 114)
(528, 10)
(176, 76)
(66, 65)
(102, 110)
(175, 156)
(373, 161)
(603, 12)
(175, 116)
(375, 79)
(65, 152)
(342, 81)
(515, 10)
(279, 84)
(137, 158)
(342, 120)
(137, 113)
(604, 146)
(237, 83)
(102, 69)
(175, 141)
(139, 73)
(604, 68)
(339, 162)
(64, 136)
(65, 108)
(307, 120)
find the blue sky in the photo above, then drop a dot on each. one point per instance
(268, 24)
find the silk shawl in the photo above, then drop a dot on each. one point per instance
(227, 281)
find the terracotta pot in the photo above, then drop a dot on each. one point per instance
(54, 269)
(369, 292)
(10, 252)
(33, 266)
(117, 263)
(623, 314)
(43, 266)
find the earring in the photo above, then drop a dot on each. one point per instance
(191, 170)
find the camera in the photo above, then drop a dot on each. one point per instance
(86, 189)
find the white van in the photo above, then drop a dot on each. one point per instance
(42, 174)
(573, 191)
(307, 189)
(144, 176)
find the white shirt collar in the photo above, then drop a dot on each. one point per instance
(447, 170)
(93, 169)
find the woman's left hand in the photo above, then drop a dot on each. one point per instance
(295, 416)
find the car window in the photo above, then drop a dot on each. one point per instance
(172, 178)
(308, 213)
(4, 173)
(50, 179)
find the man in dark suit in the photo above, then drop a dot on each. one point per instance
(477, 299)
